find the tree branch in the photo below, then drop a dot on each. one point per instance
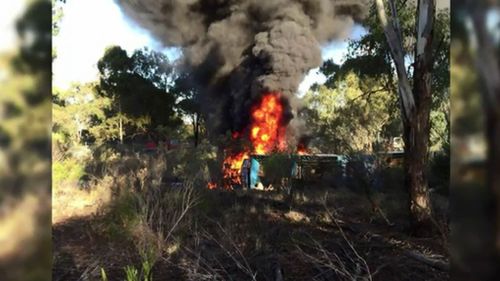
(393, 35)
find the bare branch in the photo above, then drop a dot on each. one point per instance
(392, 32)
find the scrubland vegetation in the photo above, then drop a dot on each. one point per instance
(132, 221)
(134, 151)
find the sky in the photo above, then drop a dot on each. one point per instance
(9, 12)
(333, 50)
(85, 32)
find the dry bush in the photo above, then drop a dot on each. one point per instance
(163, 210)
(71, 201)
(217, 255)
(344, 262)
(121, 173)
(150, 213)
(191, 164)
(161, 213)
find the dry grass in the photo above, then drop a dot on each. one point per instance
(160, 214)
(217, 255)
(346, 263)
(71, 201)
(189, 233)
(147, 213)
(295, 216)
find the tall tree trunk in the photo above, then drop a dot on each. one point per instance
(415, 104)
(120, 121)
(417, 132)
(416, 138)
(120, 124)
(196, 128)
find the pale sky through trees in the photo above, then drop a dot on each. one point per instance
(89, 26)
(10, 11)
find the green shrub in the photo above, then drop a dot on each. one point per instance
(66, 171)
(191, 163)
(122, 216)
(439, 173)
(132, 274)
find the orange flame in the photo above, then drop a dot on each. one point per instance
(231, 169)
(266, 131)
(302, 149)
(211, 185)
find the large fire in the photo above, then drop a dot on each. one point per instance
(266, 134)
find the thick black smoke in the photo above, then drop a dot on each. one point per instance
(238, 50)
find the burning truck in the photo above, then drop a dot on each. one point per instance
(305, 167)
(245, 60)
(243, 167)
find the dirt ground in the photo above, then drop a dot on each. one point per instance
(268, 233)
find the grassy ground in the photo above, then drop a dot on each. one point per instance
(131, 222)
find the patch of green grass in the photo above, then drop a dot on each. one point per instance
(68, 170)
(121, 217)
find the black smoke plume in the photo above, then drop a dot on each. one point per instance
(237, 50)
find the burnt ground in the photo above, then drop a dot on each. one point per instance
(267, 233)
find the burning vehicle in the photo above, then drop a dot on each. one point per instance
(245, 61)
(306, 168)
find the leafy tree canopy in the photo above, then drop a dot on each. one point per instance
(138, 85)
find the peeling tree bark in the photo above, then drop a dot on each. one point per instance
(417, 135)
(393, 35)
(415, 104)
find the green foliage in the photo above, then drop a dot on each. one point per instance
(358, 65)
(349, 117)
(369, 59)
(57, 15)
(192, 163)
(440, 129)
(137, 86)
(122, 216)
(68, 170)
(104, 277)
(79, 110)
(131, 97)
(131, 273)
(188, 103)
(439, 171)
(147, 266)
